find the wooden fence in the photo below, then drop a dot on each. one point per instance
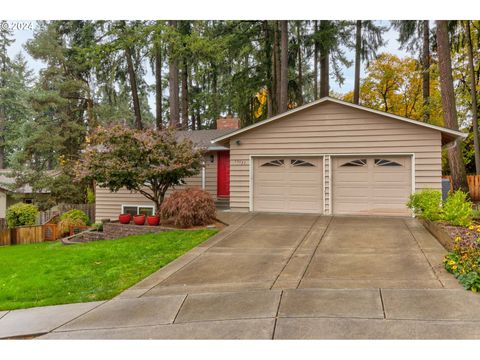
(29, 234)
(473, 186)
(88, 209)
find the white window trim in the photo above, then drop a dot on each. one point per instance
(138, 206)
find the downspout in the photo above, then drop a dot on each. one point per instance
(203, 175)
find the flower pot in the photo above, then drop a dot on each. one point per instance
(153, 220)
(139, 219)
(125, 218)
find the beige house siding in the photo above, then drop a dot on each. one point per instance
(109, 205)
(329, 129)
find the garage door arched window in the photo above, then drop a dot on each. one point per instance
(356, 162)
(298, 162)
(275, 163)
(385, 162)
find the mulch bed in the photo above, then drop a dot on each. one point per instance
(463, 232)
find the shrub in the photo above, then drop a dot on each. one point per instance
(426, 203)
(464, 263)
(457, 209)
(21, 214)
(75, 215)
(189, 207)
(73, 218)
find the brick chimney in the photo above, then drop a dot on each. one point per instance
(228, 122)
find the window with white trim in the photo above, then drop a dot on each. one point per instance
(298, 162)
(274, 163)
(385, 162)
(137, 210)
(357, 162)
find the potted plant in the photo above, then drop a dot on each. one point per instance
(125, 218)
(139, 219)
(153, 220)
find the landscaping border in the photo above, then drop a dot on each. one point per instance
(439, 233)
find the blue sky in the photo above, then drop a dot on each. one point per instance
(392, 46)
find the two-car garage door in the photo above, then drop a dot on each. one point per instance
(359, 184)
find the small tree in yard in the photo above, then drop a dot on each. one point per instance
(145, 161)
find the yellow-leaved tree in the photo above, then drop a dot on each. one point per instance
(394, 85)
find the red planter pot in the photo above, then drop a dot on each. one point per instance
(153, 220)
(125, 218)
(139, 219)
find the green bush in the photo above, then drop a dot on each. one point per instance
(73, 218)
(75, 214)
(21, 214)
(427, 203)
(457, 209)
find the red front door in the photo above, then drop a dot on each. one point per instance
(223, 174)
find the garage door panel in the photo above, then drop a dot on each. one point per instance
(296, 186)
(380, 186)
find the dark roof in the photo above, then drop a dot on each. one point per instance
(203, 138)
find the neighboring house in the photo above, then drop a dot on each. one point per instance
(8, 196)
(326, 157)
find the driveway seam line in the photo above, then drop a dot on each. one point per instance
(314, 252)
(383, 303)
(295, 250)
(180, 308)
(76, 317)
(423, 253)
(6, 313)
(276, 315)
(198, 255)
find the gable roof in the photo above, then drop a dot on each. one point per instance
(448, 135)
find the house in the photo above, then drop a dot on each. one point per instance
(9, 195)
(327, 157)
(214, 176)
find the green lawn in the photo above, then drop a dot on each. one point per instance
(52, 273)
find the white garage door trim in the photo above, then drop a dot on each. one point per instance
(250, 171)
(412, 155)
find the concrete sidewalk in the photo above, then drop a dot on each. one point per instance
(264, 314)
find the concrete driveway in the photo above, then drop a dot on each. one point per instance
(283, 277)
(274, 251)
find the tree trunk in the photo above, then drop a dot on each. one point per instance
(358, 60)
(324, 71)
(474, 96)
(158, 87)
(455, 159)
(173, 85)
(184, 94)
(277, 72)
(284, 67)
(315, 63)
(426, 70)
(300, 75)
(133, 86)
(269, 67)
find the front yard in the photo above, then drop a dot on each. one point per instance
(52, 273)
